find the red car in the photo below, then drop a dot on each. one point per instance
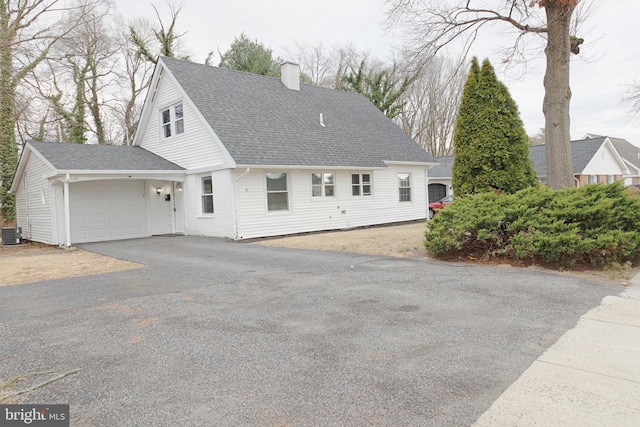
(440, 204)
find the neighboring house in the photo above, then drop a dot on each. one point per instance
(440, 177)
(227, 154)
(595, 159)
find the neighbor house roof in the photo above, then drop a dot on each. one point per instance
(443, 168)
(582, 152)
(629, 152)
(262, 122)
(94, 157)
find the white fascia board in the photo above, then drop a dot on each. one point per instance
(618, 157)
(313, 167)
(206, 169)
(147, 106)
(22, 164)
(83, 175)
(427, 164)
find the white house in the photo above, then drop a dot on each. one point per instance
(227, 154)
(595, 159)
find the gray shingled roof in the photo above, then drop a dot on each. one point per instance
(582, 151)
(262, 122)
(443, 169)
(627, 151)
(102, 157)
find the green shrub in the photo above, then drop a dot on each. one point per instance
(597, 225)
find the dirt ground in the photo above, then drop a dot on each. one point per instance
(404, 240)
(33, 262)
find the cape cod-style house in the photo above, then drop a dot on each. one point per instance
(227, 154)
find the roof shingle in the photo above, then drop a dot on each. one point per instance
(93, 157)
(262, 122)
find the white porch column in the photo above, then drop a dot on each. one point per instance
(67, 212)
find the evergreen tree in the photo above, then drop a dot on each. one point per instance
(250, 56)
(490, 143)
(383, 88)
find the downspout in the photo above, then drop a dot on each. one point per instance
(577, 181)
(67, 212)
(235, 204)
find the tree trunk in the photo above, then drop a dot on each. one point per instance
(8, 146)
(558, 96)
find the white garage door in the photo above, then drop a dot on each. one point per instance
(107, 211)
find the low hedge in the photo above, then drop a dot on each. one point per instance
(598, 225)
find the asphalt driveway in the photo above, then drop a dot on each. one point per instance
(221, 333)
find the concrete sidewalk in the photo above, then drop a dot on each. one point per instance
(590, 377)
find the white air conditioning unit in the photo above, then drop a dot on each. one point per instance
(11, 236)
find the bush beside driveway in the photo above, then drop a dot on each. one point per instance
(220, 333)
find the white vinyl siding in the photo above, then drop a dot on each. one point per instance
(221, 224)
(197, 147)
(34, 204)
(307, 213)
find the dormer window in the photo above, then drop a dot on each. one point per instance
(172, 121)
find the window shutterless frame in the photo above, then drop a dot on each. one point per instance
(361, 184)
(277, 192)
(322, 184)
(172, 121)
(404, 186)
(207, 195)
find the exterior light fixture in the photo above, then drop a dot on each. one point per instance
(158, 190)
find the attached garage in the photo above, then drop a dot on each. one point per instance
(108, 210)
(69, 193)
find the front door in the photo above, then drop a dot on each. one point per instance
(161, 207)
(178, 206)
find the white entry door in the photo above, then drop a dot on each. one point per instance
(161, 207)
(107, 210)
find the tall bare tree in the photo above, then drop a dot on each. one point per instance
(165, 36)
(431, 104)
(28, 31)
(436, 24)
(134, 75)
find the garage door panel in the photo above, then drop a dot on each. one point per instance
(107, 211)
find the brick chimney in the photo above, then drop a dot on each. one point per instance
(290, 75)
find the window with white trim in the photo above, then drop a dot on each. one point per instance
(207, 195)
(404, 187)
(277, 192)
(611, 179)
(593, 179)
(172, 121)
(360, 184)
(322, 185)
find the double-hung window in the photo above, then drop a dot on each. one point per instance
(322, 185)
(277, 192)
(360, 184)
(207, 195)
(404, 187)
(172, 119)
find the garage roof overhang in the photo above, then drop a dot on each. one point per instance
(98, 175)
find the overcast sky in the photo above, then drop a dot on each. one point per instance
(611, 57)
